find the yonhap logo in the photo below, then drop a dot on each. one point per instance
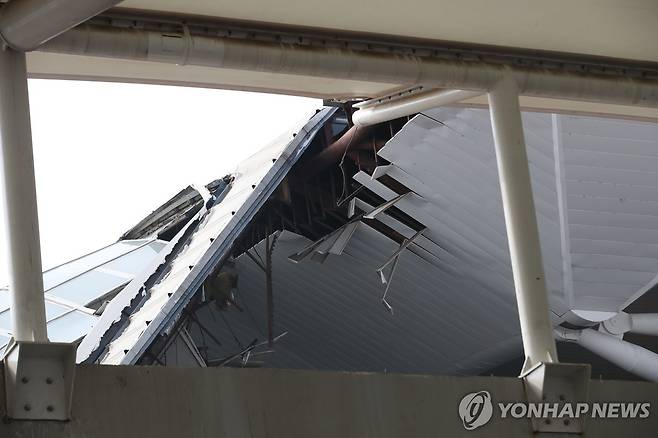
(475, 409)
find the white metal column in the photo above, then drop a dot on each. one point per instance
(521, 223)
(20, 203)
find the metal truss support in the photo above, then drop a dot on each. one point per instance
(38, 375)
(20, 201)
(39, 380)
(640, 323)
(270, 242)
(558, 384)
(521, 223)
(626, 355)
(544, 378)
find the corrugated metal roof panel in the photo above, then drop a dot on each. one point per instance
(611, 173)
(604, 189)
(335, 319)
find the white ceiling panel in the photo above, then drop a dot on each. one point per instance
(598, 219)
(615, 28)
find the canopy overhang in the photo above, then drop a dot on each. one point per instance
(594, 40)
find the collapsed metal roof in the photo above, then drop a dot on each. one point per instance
(194, 253)
(407, 214)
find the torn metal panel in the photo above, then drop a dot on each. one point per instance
(321, 246)
(381, 171)
(186, 200)
(605, 177)
(385, 206)
(448, 159)
(179, 208)
(402, 247)
(343, 239)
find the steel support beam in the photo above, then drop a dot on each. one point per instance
(521, 224)
(38, 375)
(185, 48)
(640, 323)
(20, 202)
(26, 24)
(628, 356)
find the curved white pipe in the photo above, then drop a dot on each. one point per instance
(630, 357)
(378, 113)
(231, 53)
(26, 24)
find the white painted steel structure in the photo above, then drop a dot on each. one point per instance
(507, 25)
(640, 323)
(26, 24)
(630, 357)
(521, 224)
(20, 208)
(383, 111)
(340, 64)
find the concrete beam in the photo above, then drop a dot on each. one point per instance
(112, 401)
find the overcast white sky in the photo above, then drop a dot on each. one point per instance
(108, 154)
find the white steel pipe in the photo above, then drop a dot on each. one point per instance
(630, 357)
(521, 224)
(233, 53)
(640, 323)
(383, 112)
(644, 323)
(26, 24)
(20, 201)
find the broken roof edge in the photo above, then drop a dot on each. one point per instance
(110, 321)
(219, 249)
(179, 204)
